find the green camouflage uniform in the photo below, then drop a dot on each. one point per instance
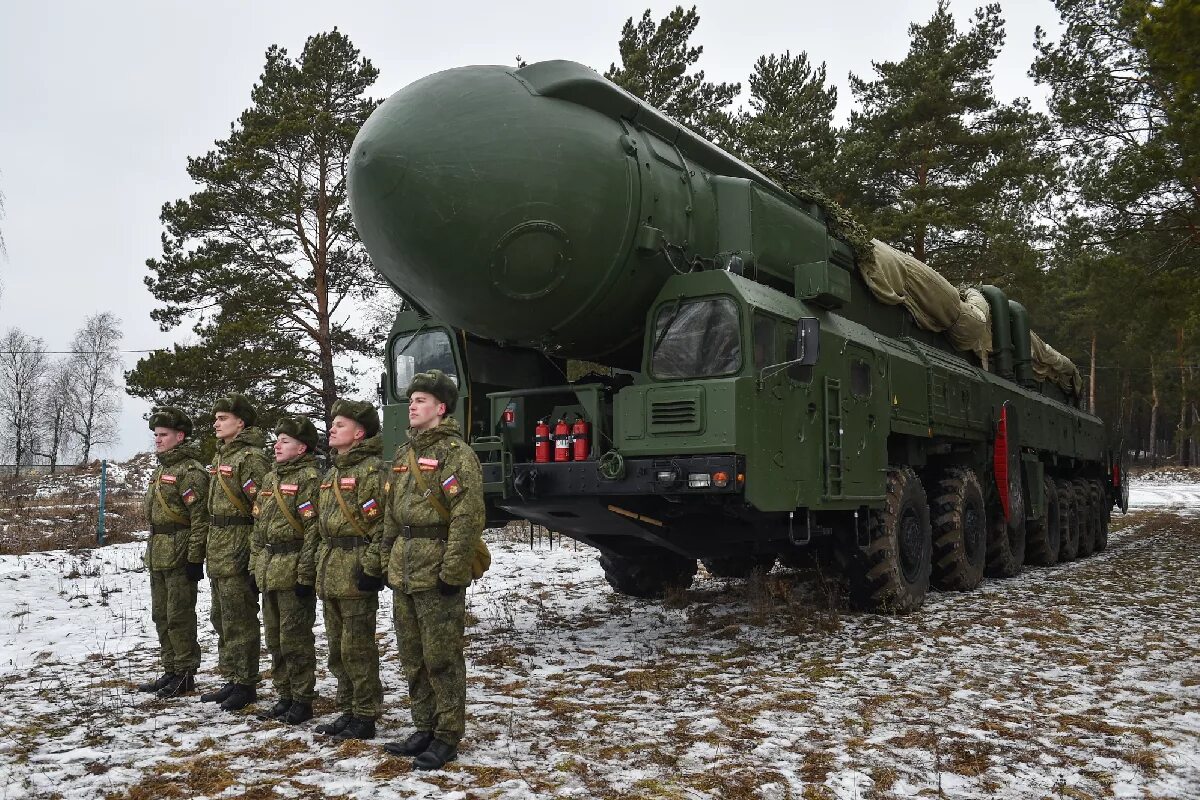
(178, 530)
(241, 466)
(275, 557)
(335, 549)
(418, 548)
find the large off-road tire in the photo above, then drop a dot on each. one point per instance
(1043, 538)
(1005, 545)
(1068, 520)
(1086, 515)
(890, 574)
(1100, 511)
(738, 566)
(959, 522)
(649, 574)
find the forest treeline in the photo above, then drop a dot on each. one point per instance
(1088, 212)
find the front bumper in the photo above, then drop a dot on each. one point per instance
(642, 476)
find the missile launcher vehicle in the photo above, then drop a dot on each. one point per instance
(663, 354)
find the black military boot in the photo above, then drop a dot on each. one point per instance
(414, 745)
(180, 684)
(335, 727)
(436, 756)
(157, 683)
(278, 710)
(359, 728)
(218, 695)
(299, 712)
(241, 696)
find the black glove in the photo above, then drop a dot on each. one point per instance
(447, 589)
(367, 583)
(303, 590)
(194, 571)
(252, 583)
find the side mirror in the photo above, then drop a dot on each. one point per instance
(382, 389)
(806, 349)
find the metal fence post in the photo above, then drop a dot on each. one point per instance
(103, 492)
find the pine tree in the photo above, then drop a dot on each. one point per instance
(788, 132)
(655, 63)
(1125, 83)
(263, 260)
(938, 167)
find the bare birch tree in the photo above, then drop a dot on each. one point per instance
(54, 407)
(23, 366)
(95, 399)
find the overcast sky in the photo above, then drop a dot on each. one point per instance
(102, 103)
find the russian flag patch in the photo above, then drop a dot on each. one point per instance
(306, 510)
(451, 486)
(370, 508)
(189, 496)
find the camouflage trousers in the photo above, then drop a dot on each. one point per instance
(288, 621)
(173, 609)
(354, 654)
(429, 631)
(235, 619)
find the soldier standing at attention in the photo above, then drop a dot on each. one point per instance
(237, 474)
(175, 552)
(284, 514)
(432, 529)
(350, 507)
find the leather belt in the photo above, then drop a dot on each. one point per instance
(228, 522)
(283, 547)
(168, 528)
(426, 532)
(346, 542)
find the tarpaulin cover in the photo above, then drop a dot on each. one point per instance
(898, 278)
(963, 315)
(1049, 364)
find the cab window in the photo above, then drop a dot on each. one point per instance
(421, 351)
(765, 335)
(696, 339)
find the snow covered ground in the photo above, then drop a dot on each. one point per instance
(1080, 681)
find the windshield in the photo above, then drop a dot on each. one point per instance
(419, 352)
(697, 339)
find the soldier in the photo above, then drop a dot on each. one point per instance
(350, 507)
(175, 505)
(432, 531)
(284, 514)
(237, 473)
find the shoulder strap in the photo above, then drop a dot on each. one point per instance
(426, 492)
(229, 493)
(337, 493)
(282, 505)
(166, 509)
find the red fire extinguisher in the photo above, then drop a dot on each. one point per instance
(562, 441)
(579, 436)
(541, 442)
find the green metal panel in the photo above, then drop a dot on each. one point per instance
(683, 417)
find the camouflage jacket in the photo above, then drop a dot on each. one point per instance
(238, 470)
(338, 543)
(452, 474)
(177, 493)
(284, 513)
